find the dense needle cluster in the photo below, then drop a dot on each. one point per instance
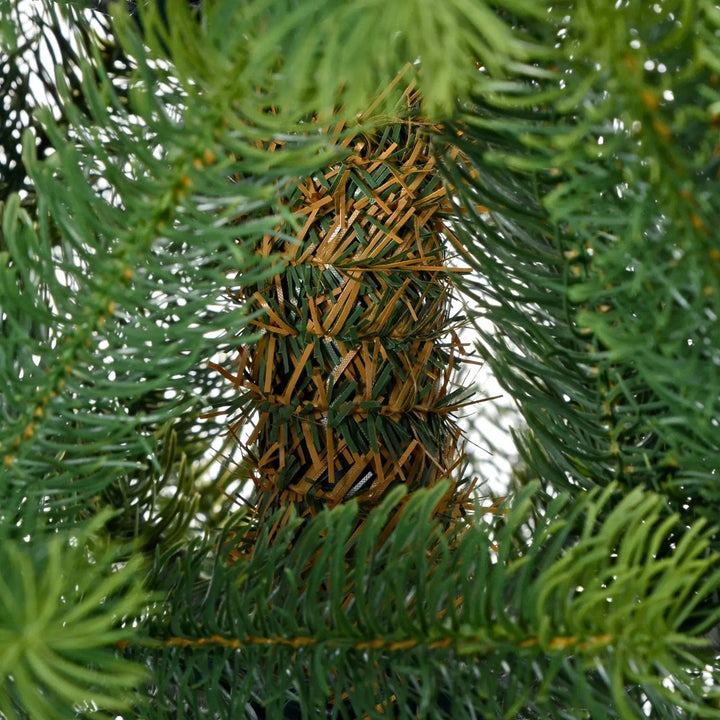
(352, 376)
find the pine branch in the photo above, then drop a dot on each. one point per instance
(349, 388)
(34, 42)
(489, 621)
(333, 59)
(64, 605)
(603, 279)
(110, 299)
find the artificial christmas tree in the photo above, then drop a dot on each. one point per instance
(190, 223)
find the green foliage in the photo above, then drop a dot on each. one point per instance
(64, 605)
(350, 381)
(33, 40)
(145, 187)
(482, 622)
(600, 267)
(95, 347)
(303, 58)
